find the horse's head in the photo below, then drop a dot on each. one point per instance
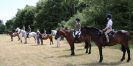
(59, 33)
(17, 30)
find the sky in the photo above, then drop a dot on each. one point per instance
(8, 8)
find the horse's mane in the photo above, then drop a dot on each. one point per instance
(93, 30)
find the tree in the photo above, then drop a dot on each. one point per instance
(51, 12)
(10, 24)
(1, 22)
(2, 27)
(25, 17)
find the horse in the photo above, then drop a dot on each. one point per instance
(45, 37)
(14, 34)
(68, 34)
(116, 37)
(23, 33)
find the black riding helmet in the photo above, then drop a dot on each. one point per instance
(77, 19)
(109, 16)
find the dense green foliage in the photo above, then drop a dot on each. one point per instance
(49, 14)
(2, 27)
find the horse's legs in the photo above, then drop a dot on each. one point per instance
(128, 52)
(123, 50)
(51, 40)
(88, 45)
(100, 52)
(72, 49)
(11, 38)
(21, 40)
(18, 38)
(89, 48)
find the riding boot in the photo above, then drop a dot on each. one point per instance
(107, 40)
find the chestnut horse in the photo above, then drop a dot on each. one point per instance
(14, 34)
(68, 34)
(45, 37)
(119, 37)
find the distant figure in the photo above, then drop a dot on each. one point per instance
(23, 27)
(28, 31)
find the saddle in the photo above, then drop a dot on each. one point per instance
(111, 37)
(76, 36)
(111, 33)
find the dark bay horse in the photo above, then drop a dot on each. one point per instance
(14, 34)
(68, 34)
(119, 37)
(45, 37)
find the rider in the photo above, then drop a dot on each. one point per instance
(29, 30)
(23, 27)
(77, 28)
(108, 27)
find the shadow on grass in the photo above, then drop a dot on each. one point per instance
(70, 50)
(103, 64)
(36, 45)
(70, 55)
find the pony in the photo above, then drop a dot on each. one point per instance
(116, 37)
(23, 33)
(68, 34)
(45, 37)
(14, 34)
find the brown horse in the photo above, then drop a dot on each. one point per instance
(68, 34)
(119, 37)
(45, 37)
(14, 34)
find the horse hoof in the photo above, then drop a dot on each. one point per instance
(128, 60)
(122, 59)
(86, 52)
(89, 53)
(100, 61)
(72, 54)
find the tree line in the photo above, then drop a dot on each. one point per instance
(50, 14)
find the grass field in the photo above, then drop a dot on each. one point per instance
(19, 54)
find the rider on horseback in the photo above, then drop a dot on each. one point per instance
(77, 29)
(23, 27)
(108, 27)
(29, 30)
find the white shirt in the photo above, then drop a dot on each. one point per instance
(109, 24)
